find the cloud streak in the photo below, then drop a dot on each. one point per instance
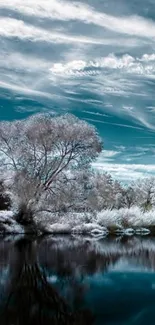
(66, 11)
(11, 28)
(125, 172)
(25, 90)
(115, 124)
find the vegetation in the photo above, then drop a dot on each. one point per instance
(44, 157)
(46, 168)
(5, 202)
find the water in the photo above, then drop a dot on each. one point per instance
(68, 280)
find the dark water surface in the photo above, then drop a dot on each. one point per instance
(77, 280)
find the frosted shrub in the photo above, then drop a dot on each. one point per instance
(124, 218)
(109, 218)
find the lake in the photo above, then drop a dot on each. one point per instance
(77, 280)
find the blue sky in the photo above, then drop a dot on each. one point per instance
(92, 58)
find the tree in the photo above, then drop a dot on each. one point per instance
(72, 190)
(40, 151)
(4, 197)
(106, 193)
(129, 196)
(144, 190)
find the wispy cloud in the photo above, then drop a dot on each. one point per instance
(65, 10)
(133, 71)
(140, 116)
(126, 172)
(116, 124)
(95, 113)
(17, 61)
(25, 90)
(97, 61)
(29, 83)
(109, 154)
(11, 28)
(34, 109)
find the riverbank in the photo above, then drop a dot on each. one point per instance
(116, 222)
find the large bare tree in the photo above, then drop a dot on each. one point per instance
(40, 150)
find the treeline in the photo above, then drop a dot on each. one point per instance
(89, 191)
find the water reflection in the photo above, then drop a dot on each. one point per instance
(68, 280)
(29, 298)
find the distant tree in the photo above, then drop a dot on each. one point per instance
(128, 197)
(144, 190)
(106, 192)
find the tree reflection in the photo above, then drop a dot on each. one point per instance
(74, 259)
(31, 299)
(47, 280)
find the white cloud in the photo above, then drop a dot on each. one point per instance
(151, 108)
(148, 57)
(142, 117)
(38, 73)
(69, 68)
(109, 154)
(24, 74)
(17, 61)
(107, 81)
(116, 124)
(128, 108)
(33, 109)
(94, 113)
(126, 63)
(10, 27)
(125, 171)
(108, 105)
(65, 10)
(25, 90)
(120, 147)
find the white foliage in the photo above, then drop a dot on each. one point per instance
(101, 224)
(58, 228)
(121, 222)
(92, 228)
(122, 218)
(4, 215)
(109, 218)
(40, 152)
(144, 192)
(9, 224)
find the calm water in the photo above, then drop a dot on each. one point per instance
(66, 280)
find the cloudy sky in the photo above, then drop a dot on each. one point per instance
(93, 58)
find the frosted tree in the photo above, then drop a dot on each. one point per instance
(144, 190)
(70, 193)
(124, 196)
(40, 150)
(106, 193)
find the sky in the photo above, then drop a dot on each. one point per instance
(91, 58)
